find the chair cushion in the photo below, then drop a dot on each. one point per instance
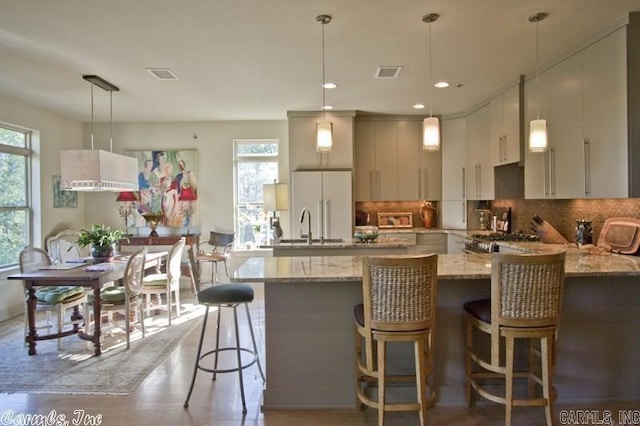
(211, 257)
(58, 294)
(159, 280)
(111, 294)
(358, 312)
(479, 309)
(226, 293)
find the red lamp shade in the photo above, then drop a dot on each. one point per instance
(127, 196)
(187, 194)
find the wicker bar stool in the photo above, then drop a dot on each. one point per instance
(223, 296)
(399, 295)
(526, 301)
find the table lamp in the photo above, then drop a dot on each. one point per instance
(187, 208)
(276, 199)
(129, 200)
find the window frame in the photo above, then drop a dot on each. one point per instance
(27, 153)
(249, 158)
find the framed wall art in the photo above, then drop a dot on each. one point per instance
(63, 199)
(168, 186)
(395, 220)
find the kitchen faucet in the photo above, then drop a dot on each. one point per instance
(309, 238)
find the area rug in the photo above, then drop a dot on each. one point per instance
(75, 370)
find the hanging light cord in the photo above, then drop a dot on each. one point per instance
(537, 75)
(92, 128)
(324, 110)
(430, 74)
(111, 121)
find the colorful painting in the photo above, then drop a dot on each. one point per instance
(63, 199)
(168, 186)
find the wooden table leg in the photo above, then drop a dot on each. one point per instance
(97, 319)
(32, 334)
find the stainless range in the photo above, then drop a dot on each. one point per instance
(488, 243)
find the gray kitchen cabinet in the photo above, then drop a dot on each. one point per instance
(455, 243)
(505, 127)
(453, 207)
(327, 195)
(431, 242)
(390, 163)
(302, 140)
(479, 168)
(584, 100)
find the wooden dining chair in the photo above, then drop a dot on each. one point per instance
(166, 284)
(57, 299)
(126, 299)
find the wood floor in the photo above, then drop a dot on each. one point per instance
(159, 399)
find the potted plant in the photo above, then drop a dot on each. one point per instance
(102, 240)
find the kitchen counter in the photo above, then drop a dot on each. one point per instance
(340, 248)
(309, 327)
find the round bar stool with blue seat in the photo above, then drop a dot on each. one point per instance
(223, 296)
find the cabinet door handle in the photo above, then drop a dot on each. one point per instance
(425, 186)
(545, 173)
(464, 183)
(371, 186)
(419, 184)
(587, 167)
(464, 213)
(326, 232)
(379, 185)
(319, 230)
(504, 143)
(552, 175)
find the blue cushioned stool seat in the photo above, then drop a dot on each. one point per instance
(480, 309)
(226, 293)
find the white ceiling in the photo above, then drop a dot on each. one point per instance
(258, 59)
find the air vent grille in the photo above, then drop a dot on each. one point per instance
(388, 72)
(163, 73)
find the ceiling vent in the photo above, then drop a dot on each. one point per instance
(388, 72)
(163, 73)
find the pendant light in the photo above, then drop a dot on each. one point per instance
(538, 141)
(94, 169)
(324, 127)
(431, 125)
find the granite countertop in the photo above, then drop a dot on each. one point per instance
(353, 243)
(450, 266)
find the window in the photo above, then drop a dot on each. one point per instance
(15, 213)
(255, 163)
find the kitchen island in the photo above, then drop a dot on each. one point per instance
(299, 247)
(310, 333)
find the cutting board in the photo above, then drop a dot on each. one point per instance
(622, 234)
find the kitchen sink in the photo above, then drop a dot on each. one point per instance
(313, 241)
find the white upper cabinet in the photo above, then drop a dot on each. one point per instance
(479, 170)
(390, 164)
(583, 99)
(454, 159)
(505, 127)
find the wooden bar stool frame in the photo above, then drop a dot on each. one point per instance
(526, 301)
(399, 295)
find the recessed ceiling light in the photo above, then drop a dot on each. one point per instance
(441, 84)
(329, 85)
(419, 106)
(327, 107)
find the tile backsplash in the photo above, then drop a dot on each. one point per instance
(562, 214)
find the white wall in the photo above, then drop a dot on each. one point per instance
(54, 132)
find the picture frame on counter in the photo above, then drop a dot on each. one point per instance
(395, 220)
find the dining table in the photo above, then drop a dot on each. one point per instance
(85, 273)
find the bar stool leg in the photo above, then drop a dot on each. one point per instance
(239, 358)
(195, 368)
(215, 363)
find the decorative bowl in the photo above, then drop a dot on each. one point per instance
(366, 234)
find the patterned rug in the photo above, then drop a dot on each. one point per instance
(75, 370)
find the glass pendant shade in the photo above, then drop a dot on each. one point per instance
(431, 134)
(538, 136)
(324, 136)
